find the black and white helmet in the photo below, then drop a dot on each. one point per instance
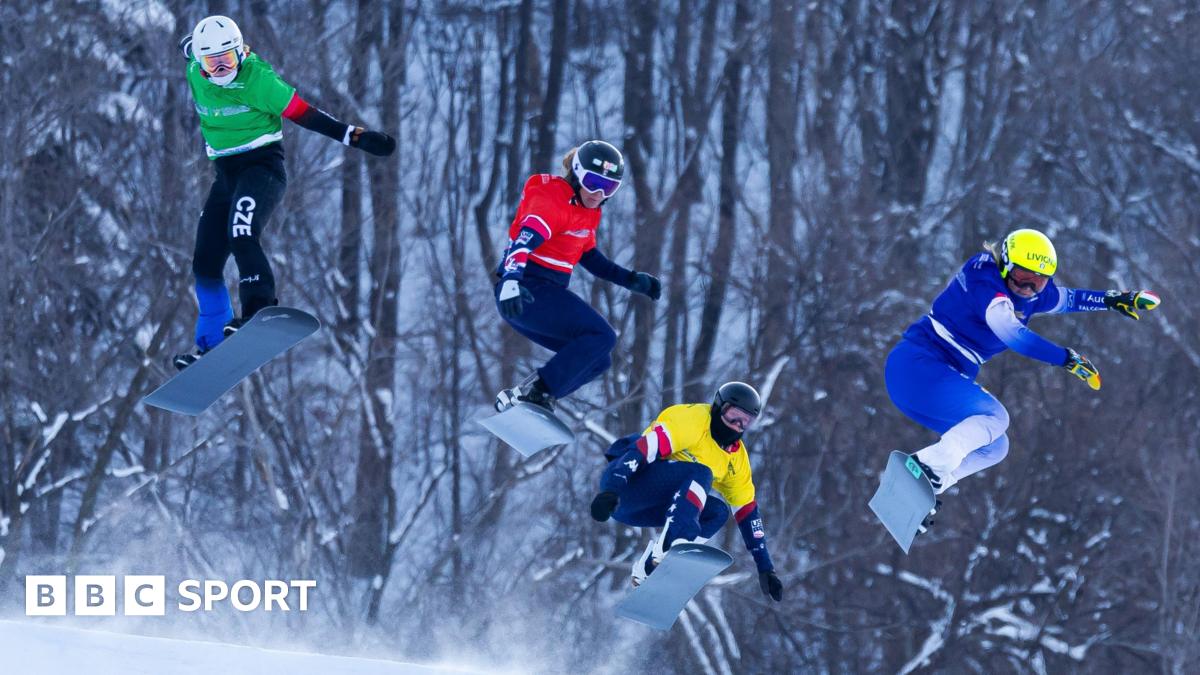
(597, 166)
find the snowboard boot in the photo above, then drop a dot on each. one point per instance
(934, 479)
(531, 390)
(233, 326)
(181, 361)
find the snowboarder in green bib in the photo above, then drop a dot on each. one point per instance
(241, 103)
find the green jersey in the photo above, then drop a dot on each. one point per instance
(243, 115)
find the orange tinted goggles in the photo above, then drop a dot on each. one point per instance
(218, 63)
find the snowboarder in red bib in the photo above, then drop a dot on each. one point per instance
(241, 102)
(555, 230)
(662, 477)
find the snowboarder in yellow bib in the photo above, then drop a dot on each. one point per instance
(241, 103)
(661, 478)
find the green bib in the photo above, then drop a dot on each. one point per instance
(243, 115)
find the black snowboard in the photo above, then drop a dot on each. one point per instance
(271, 332)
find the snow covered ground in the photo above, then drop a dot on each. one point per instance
(41, 649)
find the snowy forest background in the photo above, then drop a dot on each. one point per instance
(804, 177)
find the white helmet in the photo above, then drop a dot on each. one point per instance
(217, 46)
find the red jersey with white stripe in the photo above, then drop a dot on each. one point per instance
(569, 230)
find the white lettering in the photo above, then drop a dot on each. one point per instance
(244, 217)
(186, 590)
(214, 591)
(235, 596)
(304, 585)
(276, 591)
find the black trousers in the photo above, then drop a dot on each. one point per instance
(247, 189)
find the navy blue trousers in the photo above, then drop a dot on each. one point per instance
(665, 489)
(562, 322)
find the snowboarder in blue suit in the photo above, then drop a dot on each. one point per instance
(984, 310)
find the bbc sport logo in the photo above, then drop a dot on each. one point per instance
(146, 595)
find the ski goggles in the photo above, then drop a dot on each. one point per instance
(737, 418)
(215, 64)
(594, 182)
(1029, 280)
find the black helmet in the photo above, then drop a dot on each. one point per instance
(739, 394)
(601, 159)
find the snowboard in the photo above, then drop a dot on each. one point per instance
(528, 428)
(904, 498)
(659, 600)
(271, 332)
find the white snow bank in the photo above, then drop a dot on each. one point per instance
(46, 649)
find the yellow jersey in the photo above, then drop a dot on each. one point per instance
(681, 433)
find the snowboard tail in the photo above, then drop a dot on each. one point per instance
(904, 498)
(661, 597)
(271, 332)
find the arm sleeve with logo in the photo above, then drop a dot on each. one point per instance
(738, 489)
(517, 255)
(671, 431)
(540, 209)
(1002, 319)
(602, 267)
(1060, 300)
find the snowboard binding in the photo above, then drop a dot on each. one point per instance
(928, 521)
(531, 390)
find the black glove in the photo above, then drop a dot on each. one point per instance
(375, 142)
(646, 284)
(185, 46)
(771, 585)
(1080, 367)
(1128, 302)
(513, 297)
(603, 506)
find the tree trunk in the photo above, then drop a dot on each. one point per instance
(722, 254)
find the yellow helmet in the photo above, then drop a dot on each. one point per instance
(1030, 250)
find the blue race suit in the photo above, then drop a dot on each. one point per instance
(931, 373)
